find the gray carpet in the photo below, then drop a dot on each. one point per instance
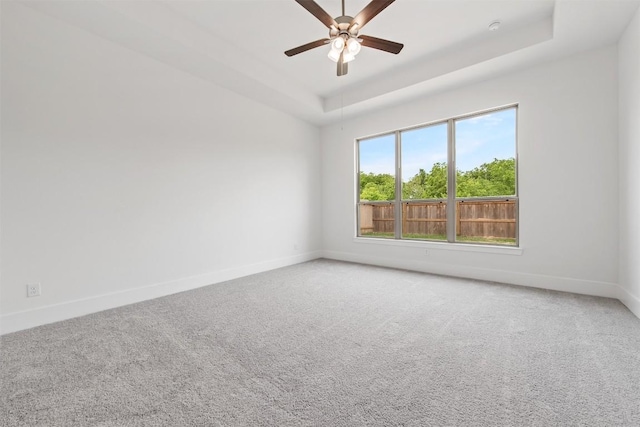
(327, 343)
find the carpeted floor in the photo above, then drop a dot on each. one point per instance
(327, 343)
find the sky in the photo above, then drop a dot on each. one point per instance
(479, 139)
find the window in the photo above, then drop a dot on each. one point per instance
(450, 181)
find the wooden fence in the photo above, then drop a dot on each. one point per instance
(487, 218)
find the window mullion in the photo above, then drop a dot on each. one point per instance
(398, 198)
(451, 182)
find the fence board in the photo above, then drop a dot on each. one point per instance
(489, 218)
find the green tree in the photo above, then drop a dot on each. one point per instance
(423, 185)
(436, 182)
(377, 186)
(497, 178)
(415, 187)
(371, 192)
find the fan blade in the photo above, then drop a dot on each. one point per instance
(381, 44)
(306, 47)
(343, 67)
(369, 12)
(318, 12)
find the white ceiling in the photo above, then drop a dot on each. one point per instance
(239, 44)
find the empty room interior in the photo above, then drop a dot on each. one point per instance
(327, 213)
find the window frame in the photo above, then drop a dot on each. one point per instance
(451, 200)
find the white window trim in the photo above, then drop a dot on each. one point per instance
(450, 245)
(442, 246)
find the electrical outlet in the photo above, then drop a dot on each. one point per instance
(33, 290)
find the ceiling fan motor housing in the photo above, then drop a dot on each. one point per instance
(344, 27)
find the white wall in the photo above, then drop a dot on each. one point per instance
(567, 178)
(124, 179)
(629, 107)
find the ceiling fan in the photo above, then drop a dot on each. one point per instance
(343, 33)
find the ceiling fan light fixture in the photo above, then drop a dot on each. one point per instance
(348, 56)
(353, 46)
(334, 55)
(337, 44)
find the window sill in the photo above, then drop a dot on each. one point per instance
(445, 246)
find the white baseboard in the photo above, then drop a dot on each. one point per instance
(631, 301)
(555, 283)
(17, 321)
